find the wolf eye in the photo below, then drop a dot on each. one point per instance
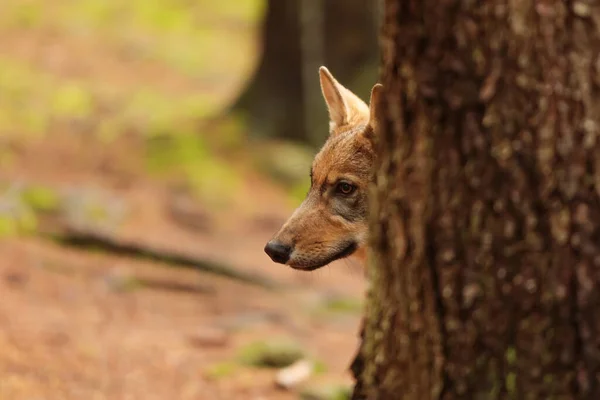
(345, 188)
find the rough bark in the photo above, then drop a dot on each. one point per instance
(485, 225)
(274, 99)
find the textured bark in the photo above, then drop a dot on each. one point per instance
(274, 98)
(485, 233)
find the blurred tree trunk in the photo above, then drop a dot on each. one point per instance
(485, 230)
(312, 40)
(275, 99)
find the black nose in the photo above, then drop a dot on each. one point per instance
(280, 253)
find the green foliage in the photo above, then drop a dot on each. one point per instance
(229, 135)
(172, 32)
(14, 224)
(289, 165)
(199, 47)
(511, 383)
(221, 370)
(511, 355)
(193, 42)
(72, 100)
(156, 112)
(299, 190)
(272, 354)
(6, 156)
(251, 9)
(125, 284)
(337, 305)
(15, 217)
(187, 155)
(24, 14)
(328, 392)
(19, 208)
(25, 94)
(35, 99)
(343, 305)
(41, 199)
(319, 367)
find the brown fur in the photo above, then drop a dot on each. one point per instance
(331, 224)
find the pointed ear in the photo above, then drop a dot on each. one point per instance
(376, 109)
(343, 105)
(338, 114)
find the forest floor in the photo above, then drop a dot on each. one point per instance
(78, 323)
(89, 88)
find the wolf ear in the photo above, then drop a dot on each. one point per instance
(343, 105)
(375, 110)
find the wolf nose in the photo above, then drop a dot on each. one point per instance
(278, 252)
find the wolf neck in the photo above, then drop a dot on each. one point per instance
(361, 255)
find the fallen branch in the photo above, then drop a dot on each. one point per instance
(99, 241)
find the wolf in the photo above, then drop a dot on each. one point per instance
(331, 222)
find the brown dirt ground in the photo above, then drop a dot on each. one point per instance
(67, 333)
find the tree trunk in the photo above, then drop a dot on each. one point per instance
(337, 33)
(273, 98)
(311, 14)
(485, 225)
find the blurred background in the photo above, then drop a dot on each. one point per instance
(148, 151)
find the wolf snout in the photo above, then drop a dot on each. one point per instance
(279, 252)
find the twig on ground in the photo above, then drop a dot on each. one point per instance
(100, 241)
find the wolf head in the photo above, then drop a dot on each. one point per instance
(331, 223)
